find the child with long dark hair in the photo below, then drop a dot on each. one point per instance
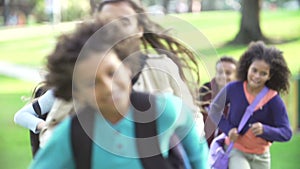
(86, 69)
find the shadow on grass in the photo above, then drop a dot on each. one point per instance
(281, 41)
(228, 46)
(267, 40)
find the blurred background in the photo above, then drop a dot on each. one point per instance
(29, 29)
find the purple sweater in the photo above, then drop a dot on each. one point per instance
(272, 115)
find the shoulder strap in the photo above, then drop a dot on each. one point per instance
(144, 110)
(34, 138)
(249, 111)
(145, 127)
(37, 108)
(80, 140)
(142, 59)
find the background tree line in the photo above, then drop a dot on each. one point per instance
(71, 10)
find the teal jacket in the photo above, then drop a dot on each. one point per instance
(114, 145)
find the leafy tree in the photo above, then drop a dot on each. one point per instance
(22, 7)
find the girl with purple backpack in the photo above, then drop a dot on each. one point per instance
(258, 67)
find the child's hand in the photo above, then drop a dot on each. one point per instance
(257, 128)
(41, 125)
(233, 134)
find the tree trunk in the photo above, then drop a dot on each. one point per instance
(6, 10)
(166, 5)
(93, 6)
(208, 5)
(190, 5)
(250, 23)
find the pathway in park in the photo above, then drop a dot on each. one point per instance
(20, 72)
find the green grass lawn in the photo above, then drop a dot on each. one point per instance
(28, 47)
(14, 147)
(286, 155)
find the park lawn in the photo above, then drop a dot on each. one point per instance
(28, 51)
(15, 147)
(286, 155)
(200, 31)
(30, 45)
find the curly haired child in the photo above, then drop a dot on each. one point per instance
(258, 67)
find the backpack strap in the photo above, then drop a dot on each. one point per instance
(34, 138)
(82, 143)
(82, 126)
(145, 127)
(37, 108)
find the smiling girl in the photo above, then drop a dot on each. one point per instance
(258, 67)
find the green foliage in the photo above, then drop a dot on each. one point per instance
(73, 12)
(39, 12)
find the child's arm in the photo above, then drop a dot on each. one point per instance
(217, 108)
(28, 118)
(194, 144)
(280, 129)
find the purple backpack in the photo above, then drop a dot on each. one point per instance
(218, 157)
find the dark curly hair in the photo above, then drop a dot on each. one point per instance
(279, 70)
(227, 59)
(155, 37)
(61, 62)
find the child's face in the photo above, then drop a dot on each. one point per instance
(258, 74)
(125, 14)
(225, 72)
(104, 84)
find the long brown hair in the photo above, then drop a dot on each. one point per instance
(157, 39)
(61, 62)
